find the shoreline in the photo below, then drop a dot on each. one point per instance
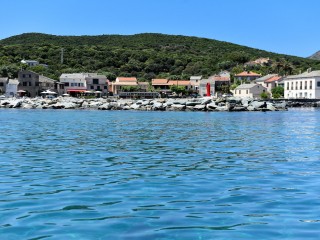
(205, 104)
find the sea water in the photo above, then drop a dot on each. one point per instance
(77, 174)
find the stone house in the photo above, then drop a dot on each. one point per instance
(33, 83)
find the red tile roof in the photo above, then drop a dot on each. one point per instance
(272, 79)
(248, 74)
(179, 82)
(159, 81)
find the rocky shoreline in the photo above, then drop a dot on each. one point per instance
(179, 104)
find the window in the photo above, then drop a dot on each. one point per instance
(318, 84)
(1, 84)
(29, 75)
(247, 91)
(310, 86)
(300, 85)
(288, 85)
(296, 85)
(23, 75)
(105, 87)
(66, 84)
(291, 85)
(305, 84)
(29, 83)
(72, 84)
(98, 88)
(91, 87)
(37, 84)
(95, 81)
(24, 84)
(81, 85)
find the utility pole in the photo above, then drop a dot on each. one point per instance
(62, 55)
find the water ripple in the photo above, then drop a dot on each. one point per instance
(154, 175)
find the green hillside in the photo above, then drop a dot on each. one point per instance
(145, 56)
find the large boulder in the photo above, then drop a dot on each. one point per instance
(178, 107)
(201, 107)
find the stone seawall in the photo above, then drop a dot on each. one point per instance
(169, 104)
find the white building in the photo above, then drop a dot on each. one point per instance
(305, 85)
(30, 63)
(12, 87)
(249, 90)
(75, 83)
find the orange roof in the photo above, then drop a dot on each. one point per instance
(179, 82)
(127, 79)
(248, 74)
(221, 79)
(272, 79)
(159, 81)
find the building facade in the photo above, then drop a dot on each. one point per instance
(249, 90)
(74, 83)
(121, 83)
(12, 88)
(33, 83)
(305, 85)
(97, 83)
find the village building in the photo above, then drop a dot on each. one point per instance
(251, 90)
(305, 85)
(74, 83)
(270, 81)
(246, 76)
(121, 83)
(164, 85)
(30, 63)
(259, 61)
(195, 83)
(32, 84)
(12, 88)
(97, 84)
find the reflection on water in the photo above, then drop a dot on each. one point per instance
(159, 175)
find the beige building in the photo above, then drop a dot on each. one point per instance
(123, 82)
(249, 90)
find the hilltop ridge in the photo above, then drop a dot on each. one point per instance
(145, 55)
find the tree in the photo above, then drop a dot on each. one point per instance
(264, 95)
(178, 89)
(277, 92)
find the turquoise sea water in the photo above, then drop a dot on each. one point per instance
(159, 175)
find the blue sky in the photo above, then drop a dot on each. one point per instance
(282, 26)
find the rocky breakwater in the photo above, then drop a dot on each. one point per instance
(185, 104)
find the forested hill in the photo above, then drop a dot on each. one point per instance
(145, 56)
